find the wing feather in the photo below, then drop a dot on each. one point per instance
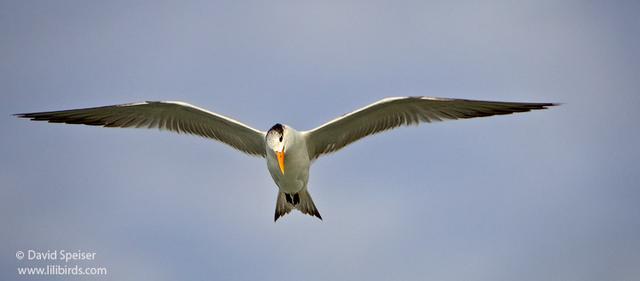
(391, 113)
(174, 116)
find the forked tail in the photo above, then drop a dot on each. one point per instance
(301, 201)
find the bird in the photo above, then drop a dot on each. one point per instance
(289, 153)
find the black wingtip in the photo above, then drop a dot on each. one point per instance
(30, 116)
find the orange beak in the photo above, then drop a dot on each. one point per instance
(280, 155)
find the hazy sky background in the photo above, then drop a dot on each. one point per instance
(548, 195)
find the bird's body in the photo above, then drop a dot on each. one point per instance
(292, 182)
(297, 162)
(289, 153)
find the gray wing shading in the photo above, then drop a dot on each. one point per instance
(174, 116)
(394, 112)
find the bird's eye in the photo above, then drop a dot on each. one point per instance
(280, 138)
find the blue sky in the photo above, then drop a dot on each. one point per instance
(548, 195)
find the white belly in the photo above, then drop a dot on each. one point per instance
(296, 173)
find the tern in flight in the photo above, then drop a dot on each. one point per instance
(289, 152)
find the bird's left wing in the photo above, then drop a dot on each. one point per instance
(175, 116)
(390, 113)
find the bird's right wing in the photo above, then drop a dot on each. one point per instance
(391, 113)
(175, 116)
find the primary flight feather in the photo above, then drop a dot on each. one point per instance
(289, 153)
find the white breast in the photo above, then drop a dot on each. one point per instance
(296, 164)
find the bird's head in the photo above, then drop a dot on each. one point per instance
(276, 141)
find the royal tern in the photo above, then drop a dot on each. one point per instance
(289, 152)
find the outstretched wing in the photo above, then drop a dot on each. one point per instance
(391, 113)
(175, 116)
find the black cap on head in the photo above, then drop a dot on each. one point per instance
(278, 128)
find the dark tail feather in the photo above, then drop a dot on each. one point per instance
(282, 206)
(301, 201)
(306, 205)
